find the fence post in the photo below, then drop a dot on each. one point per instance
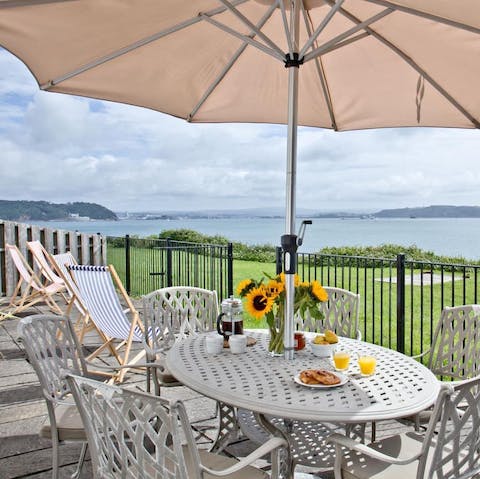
(401, 303)
(127, 263)
(169, 263)
(278, 260)
(230, 269)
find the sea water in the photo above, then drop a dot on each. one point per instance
(443, 236)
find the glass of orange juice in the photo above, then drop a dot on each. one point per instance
(367, 365)
(341, 360)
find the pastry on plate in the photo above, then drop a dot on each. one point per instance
(319, 376)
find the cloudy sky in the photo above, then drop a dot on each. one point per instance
(61, 148)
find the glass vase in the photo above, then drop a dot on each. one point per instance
(275, 344)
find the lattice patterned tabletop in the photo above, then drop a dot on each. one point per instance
(255, 380)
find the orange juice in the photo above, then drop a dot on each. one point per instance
(367, 365)
(341, 360)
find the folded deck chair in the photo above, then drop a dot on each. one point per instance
(96, 291)
(29, 290)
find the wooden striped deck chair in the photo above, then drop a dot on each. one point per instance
(120, 327)
(42, 260)
(29, 290)
(61, 263)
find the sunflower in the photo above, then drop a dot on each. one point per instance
(274, 288)
(244, 287)
(258, 303)
(318, 292)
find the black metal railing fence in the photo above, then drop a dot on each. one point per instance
(400, 300)
(145, 265)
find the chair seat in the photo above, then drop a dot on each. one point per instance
(164, 375)
(69, 424)
(216, 461)
(355, 466)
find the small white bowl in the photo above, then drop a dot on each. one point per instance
(322, 350)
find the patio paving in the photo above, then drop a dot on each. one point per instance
(22, 410)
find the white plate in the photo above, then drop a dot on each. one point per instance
(343, 379)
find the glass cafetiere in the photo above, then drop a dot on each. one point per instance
(230, 320)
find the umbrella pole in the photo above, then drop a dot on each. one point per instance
(289, 239)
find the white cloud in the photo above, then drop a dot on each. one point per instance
(63, 148)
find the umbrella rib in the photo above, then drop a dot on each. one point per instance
(429, 16)
(415, 66)
(245, 38)
(286, 27)
(229, 65)
(321, 75)
(360, 26)
(321, 27)
(250, 25)
(28, 3)
(135, 45)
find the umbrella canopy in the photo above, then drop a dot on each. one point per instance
(351, 64)
(223, 61)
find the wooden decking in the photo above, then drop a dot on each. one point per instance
(22, 411)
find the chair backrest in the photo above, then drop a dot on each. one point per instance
(132, 434)
(455, 350)
(451, 449)
(23, 268)
(62, 261)
(41, 258)
(340, 314)
(97, 292)
(182, 310)
(52, 348)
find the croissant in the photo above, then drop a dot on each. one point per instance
(319, 376)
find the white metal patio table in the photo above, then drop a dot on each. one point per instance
(256, 381)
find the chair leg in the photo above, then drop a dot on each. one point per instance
(81, 460)
(55, 458)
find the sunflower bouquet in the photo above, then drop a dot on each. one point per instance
(266, 298)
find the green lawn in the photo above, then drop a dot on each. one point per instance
(377, 318)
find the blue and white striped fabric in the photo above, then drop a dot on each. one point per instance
(98, 294)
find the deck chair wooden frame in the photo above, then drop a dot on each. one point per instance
(97, 291)
(29, 289)
(42, 260)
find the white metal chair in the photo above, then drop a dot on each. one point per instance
(52, 349)
(450, 448)
(340, 314)
(133, 434)
(455, 349)
(96, 291)
(174, 313)
(308, 438)
(29, 290)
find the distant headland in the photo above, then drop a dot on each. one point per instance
(79, 211)
(45, 211)
(434, 211)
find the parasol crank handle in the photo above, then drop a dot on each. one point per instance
(301, 231)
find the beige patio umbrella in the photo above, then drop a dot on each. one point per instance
(341, 64)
